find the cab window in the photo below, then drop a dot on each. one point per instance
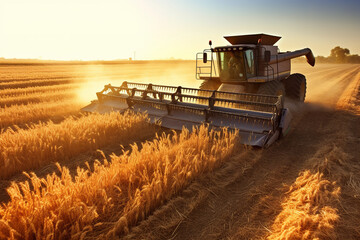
(250, 66)
(231, 66)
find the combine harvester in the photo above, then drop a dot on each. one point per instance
(243, 88)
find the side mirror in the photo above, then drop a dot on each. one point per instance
(267, 56)
(204, 57)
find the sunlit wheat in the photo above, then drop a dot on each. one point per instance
(31, 148)
(123, 191)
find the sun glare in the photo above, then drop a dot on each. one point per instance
(94, 82)
(107, 30)
(77, 31)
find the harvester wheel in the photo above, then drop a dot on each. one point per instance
(295, 86)
(272, 88)
(210, 84)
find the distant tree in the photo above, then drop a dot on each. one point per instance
(339, 54)
(321, 59)
(353, 59)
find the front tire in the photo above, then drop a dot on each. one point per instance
(275, 88)
(295, 86)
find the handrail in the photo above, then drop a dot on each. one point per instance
(215, 98)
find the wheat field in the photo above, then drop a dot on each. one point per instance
(31, 148)
(132, 185)
(139, 180)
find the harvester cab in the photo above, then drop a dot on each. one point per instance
(248, 65)
(244, 87)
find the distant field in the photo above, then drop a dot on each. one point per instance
(56, 90)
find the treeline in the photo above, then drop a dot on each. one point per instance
(339, 55)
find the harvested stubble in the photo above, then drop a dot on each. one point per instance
(32, 113)
(42, 143)
(124, 191)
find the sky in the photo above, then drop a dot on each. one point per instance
(163, 29)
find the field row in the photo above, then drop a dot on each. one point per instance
(28, 105)
(123, 191)
(42, 77)
(12, 92)
(22, 115)
(10, 73)
(50, 96)
(34, 83)
(24, 150)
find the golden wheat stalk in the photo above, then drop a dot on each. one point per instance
(26, 149)
(308, 211)
(12, 92)
(51, 96)
(123, 191)
(33, 83)
(33, 113)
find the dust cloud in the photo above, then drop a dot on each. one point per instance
(326, 82)
(162, 72)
